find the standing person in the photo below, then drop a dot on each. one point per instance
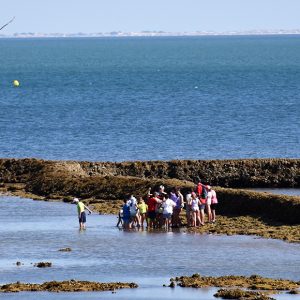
(199, 188)
(167, 205)
(153, 200)
(120, 217)
(202, 195)
(142, 206)
(126, 214)
(135, 218)
(188, 204)
(202, 205)
(214, 203)
(81, 212)
(161, 191)
(208, 203)
(195, 210)
(177, 197)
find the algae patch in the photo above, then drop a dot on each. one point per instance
(251, 225)
(241, 295)
(254, 282)
(65, 286)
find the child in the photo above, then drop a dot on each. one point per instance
(120, 217)
(143, 207)
(195, 210)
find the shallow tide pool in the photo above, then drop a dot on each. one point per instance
(279, 191)
(34, 231)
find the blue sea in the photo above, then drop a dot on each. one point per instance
(117, 99)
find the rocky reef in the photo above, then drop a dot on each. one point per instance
(104, 182)
(239, 173)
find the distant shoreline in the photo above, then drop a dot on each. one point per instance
(146, 35)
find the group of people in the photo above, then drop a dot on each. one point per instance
(161, 209)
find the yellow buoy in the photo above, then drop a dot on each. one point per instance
(16, 83)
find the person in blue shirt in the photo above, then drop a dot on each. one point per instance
(126, 215)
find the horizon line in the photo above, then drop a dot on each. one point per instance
(148, 33)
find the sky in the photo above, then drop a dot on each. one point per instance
(90, 16)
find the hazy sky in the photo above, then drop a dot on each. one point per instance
(71, 16)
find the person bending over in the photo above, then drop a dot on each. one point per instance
(81, 212)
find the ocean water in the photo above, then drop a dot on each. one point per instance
(150, 98)
(34, 231)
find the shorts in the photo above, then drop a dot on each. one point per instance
(133, 214)
(151, 215)
(82, 218)
(194, 209)
(167, 216)
(202, 206)
(214, 206)
(208, 202)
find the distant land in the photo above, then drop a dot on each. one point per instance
(149, 34)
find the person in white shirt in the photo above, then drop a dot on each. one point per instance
(196, 221)
(208, 203)
(167, 205)
(134, 215)
(188, 208)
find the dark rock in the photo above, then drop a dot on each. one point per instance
(43, 264)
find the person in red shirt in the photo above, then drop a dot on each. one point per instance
(200, 191)
(153, 200)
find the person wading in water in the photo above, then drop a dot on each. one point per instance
(81, 212)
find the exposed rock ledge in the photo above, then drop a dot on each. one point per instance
(103, 182)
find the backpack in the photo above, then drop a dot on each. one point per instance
(203, 193)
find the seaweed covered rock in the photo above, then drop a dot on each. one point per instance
(254, 282)
(241, 295)
(43, 264)
(65, 286)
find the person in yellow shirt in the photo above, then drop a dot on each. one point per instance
(143, 207)
(81, 212)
